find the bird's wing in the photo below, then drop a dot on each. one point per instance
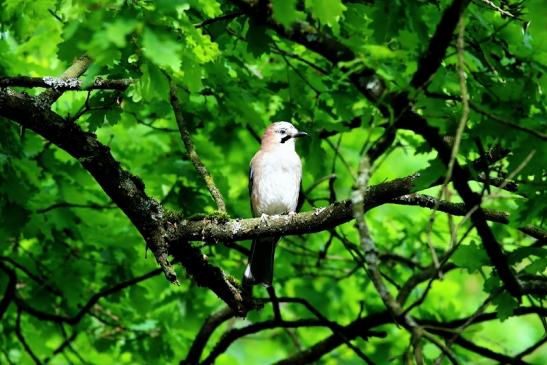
(251, 182)
(250, 179)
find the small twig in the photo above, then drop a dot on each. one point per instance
(515, 172)
(445, 349)
(56, 16)
(299, 74)
(202, 337)
(62, 346)
(500, 10)
(461, 328)
(532, 348)
(191, 151)
(275, 304)
(21, 338)
(459, 132)
(71, 205)
(342, 159)
(488, 114)
(508, 123)
(281, 52)
(53, 317)
(218, 19)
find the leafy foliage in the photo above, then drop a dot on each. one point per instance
(77, 283)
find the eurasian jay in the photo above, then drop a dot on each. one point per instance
(274, 186)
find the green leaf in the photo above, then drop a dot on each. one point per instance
(538, 266)
(326, 11)
(522, 253)
(161, 48)
(258, 40)
(472, 257)
(192, 75)
(492, 283)
(285, 13)
(435, 171)
(117, 32)
(505, 305)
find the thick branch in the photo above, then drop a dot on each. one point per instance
(207, 275)
(308, 222)
(64, 84)
(125, 190)
(431, 60)
(321, 219)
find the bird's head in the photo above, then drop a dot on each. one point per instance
(281, 134)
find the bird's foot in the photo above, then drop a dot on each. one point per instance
(264, 219)
(291, 216)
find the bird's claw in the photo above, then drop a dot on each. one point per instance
(291, 216)
(264, 219)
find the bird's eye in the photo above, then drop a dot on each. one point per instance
(282, 131)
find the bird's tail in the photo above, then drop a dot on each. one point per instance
(261, 263)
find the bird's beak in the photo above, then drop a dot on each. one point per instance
(300, 134)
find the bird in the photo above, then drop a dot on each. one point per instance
(275, 176)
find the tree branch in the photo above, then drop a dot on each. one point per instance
(77, 69)
(218, 19)
(321, 219)
(472, 200)
(351, 331)
(201, 339)
(233, 335)
(532, 348)
(373, 88)
(365, 79)
(75, 205)
(21, 339)
(459, 209)
(64, 84)
(191, 151)
(483, 351)
(87, 306)
(125, 189)
(484, 317)
(431, 60)
(9, 293)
